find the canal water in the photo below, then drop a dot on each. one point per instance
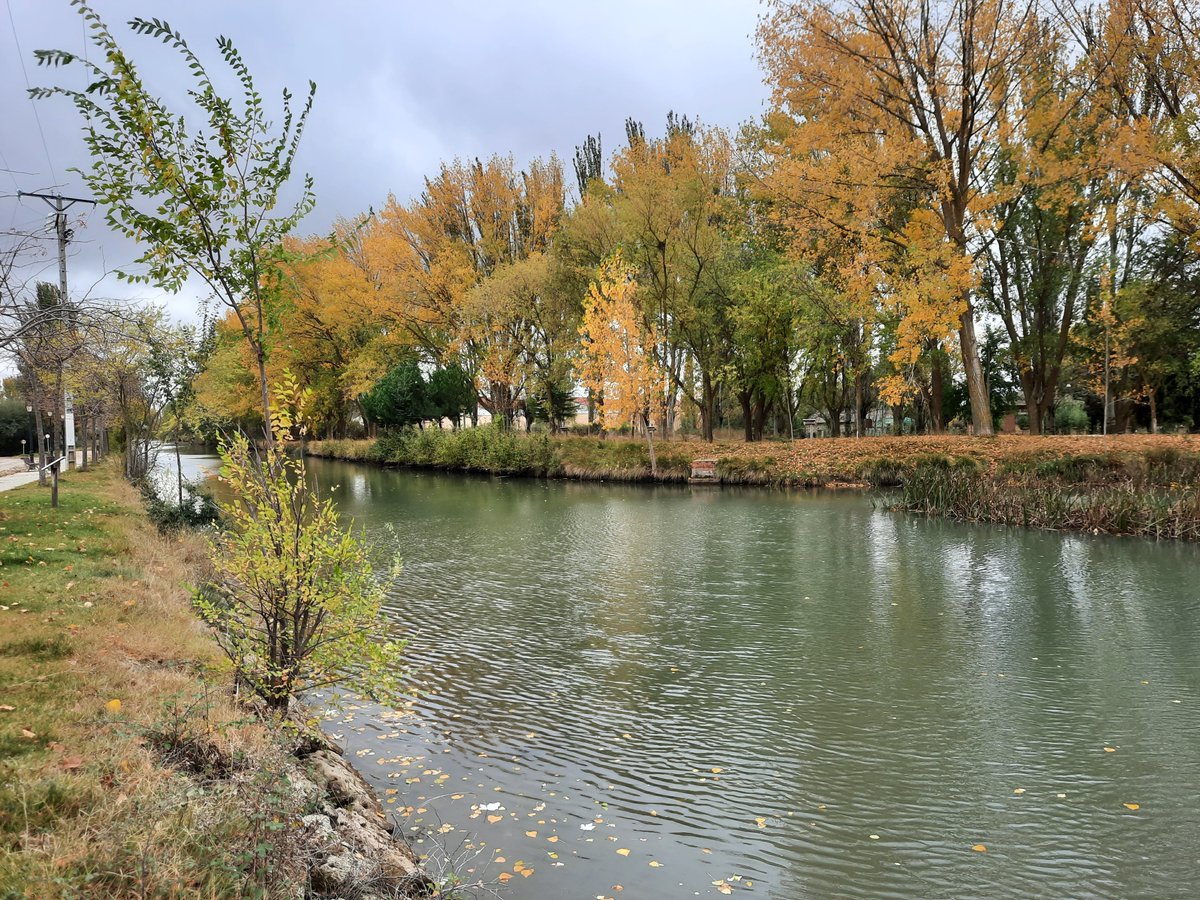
(657, 692)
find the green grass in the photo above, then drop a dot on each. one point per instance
(93, 609)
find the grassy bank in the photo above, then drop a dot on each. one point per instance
(127, 768)
(1155, 493)
(1127, 484)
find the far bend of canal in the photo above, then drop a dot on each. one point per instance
(664, 692)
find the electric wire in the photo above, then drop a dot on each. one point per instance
(25, 72)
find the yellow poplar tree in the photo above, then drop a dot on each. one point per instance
(617, 360)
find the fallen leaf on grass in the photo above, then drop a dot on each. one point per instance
(27, 734)
(4, 707)
(71, 762)
(113, 706)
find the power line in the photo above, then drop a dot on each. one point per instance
(37, 118)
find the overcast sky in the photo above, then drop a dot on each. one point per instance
(401, 86)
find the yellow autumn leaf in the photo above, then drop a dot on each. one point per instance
(1132, 805)
(492, 820)
(979, 848)
(531, 834)
(113, 706)
(504, 877)
(760, 822)
(655, 864)
(622, 852)
(1110, 749)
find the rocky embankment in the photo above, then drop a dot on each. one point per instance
(353, 849)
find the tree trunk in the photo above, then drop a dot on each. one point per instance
(178, 463)
(81, 452)
(41, 444)
(707, 406)
(835, 421)
(650, 444)
(265, 392)
(747, 417)
(759, 414)
(937, 422)
(1153, 411)
(981, 412)
(858, 406)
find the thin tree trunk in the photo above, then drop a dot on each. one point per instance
(650, 444)
(41, 444)
(178, 464)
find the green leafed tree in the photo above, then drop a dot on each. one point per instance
(293, 596)
(399, 398)
(199, 189)
(451, 393)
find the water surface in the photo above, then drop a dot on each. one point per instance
(789, 694)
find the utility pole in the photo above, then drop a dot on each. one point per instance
(60, 205)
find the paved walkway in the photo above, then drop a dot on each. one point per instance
(13, 473)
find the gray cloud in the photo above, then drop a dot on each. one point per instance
(401, 86)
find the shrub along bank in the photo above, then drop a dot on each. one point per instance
(1127, 484)
(127, 766)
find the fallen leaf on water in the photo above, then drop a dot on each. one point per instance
(655, 864)
(1062, 796)
(717, 770)
(1110, 749)
(504, 877)
(500, 859)
(873, 837)
(723, 887)
(760, 822)
(979, 848)
(553, 839)
(113, 706)
(1132, 805)
(622, 852)
(1018, 790)
(531, 834)
(492, 820)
